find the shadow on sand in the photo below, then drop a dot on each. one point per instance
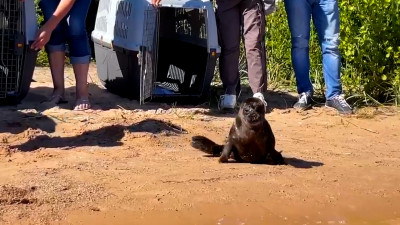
(109, 136)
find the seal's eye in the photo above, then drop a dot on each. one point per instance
(260, 109)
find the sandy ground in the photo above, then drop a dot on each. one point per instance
(122, 163)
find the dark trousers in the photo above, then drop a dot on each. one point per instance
(232, 15)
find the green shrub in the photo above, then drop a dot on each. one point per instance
(370, 44)
(42, 59)
(370, 47)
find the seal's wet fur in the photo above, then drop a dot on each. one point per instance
(250, 138)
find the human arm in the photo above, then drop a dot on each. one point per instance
(155, 2)
(44, 33)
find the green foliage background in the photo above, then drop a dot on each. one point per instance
(370, 47)
(42, 56)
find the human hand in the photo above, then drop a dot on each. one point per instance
(42, 37)
(156, 2)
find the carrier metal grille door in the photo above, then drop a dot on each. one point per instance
(149, 54)
(11, 35)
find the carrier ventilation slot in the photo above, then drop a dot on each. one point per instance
(124, 10)
(191, 23)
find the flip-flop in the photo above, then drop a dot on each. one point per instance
(82, 105)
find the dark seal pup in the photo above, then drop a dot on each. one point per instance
(250, 138)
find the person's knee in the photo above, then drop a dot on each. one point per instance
(300, 42)
(254, 42)
(76, 27)
(330, 44)
(57, 39)
(227, 50)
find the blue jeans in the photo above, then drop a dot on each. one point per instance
(325, 15)
(71, 30)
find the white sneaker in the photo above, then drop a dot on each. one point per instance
(261, 97)
(227, 102)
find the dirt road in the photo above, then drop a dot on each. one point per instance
(121, 163)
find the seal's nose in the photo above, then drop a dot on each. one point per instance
(253, 116)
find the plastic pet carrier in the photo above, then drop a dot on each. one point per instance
(18, 26)
(143, 52)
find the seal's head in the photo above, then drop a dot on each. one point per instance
(252, 111)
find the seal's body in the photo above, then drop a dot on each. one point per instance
(250, 138)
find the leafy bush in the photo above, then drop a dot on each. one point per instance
(42, 59)
(370, 44)
(370, 47)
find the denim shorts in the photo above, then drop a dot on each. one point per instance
(71, 30)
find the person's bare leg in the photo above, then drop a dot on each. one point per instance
(82, 92)
(56, 60)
